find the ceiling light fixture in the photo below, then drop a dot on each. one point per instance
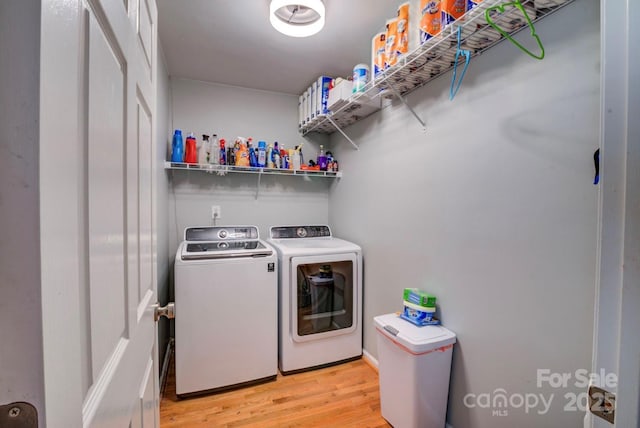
(297, 18)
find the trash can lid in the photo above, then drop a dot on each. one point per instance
(416, 339)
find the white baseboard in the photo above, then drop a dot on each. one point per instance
(370, 358)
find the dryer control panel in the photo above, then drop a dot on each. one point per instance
(285, 232)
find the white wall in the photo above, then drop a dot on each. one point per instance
(493, 210)
(201, 107)
(21, 370)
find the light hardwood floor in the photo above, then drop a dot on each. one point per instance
(345, 395)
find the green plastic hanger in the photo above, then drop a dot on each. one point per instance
(500, 9)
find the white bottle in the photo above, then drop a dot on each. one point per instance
(296, 160)
(214, 150)
(203, 152)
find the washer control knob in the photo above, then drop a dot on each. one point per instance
(223, 234)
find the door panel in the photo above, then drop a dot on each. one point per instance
(145, 28)
(144, 413)
(148, 400)
(145, 145)
(106, 200)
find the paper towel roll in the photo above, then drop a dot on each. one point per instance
(390, 53)
(430, 22)
(377, 55)
(408, 27)
(314, 100)
(452, 10)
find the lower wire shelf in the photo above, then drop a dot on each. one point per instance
(224, 169)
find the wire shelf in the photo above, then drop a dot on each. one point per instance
(224, 169)
(433, 58)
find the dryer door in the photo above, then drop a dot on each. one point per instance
(323, 296)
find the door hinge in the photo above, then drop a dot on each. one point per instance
(18, 415)
(168, 311)
(602, 403)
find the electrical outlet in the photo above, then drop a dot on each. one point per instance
(216, 212)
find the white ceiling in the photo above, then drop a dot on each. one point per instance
(232, 42)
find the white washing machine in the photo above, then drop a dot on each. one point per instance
(226, 326)
(320, 296)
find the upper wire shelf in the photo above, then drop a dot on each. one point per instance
(433, 58)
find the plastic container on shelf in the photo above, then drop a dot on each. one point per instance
(322, 159)
(222, 158)
(204, 151)
(262, 154)
(360, 78)
(177, 147)
(190, 150)
(214, 150)
(414, 365)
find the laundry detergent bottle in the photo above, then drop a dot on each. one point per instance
(222, 158)
(191, 151)
(262, 154)
(322, 159)
(177, 147)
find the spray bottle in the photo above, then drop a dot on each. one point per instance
(276, 155)
(214, 152)
(223, 152)
(203, 152)
(296, 157)
(270, 157)
(253, 155)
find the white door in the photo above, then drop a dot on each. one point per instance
(617, 343)
(97, 98)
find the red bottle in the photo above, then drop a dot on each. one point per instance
(191, 151)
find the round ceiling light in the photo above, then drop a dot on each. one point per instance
(297, 18)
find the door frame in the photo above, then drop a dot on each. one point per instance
(616, 342)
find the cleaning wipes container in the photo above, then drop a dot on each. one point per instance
(414, 364)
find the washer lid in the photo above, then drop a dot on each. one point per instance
(416, 340)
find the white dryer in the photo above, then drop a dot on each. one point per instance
(320, 296)
(226, 328)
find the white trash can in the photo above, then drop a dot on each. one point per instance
(414, 365)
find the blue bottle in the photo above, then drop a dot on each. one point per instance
(262, 154)
(253, 159)
(177, 147)
(223, 152)
(275, 155)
